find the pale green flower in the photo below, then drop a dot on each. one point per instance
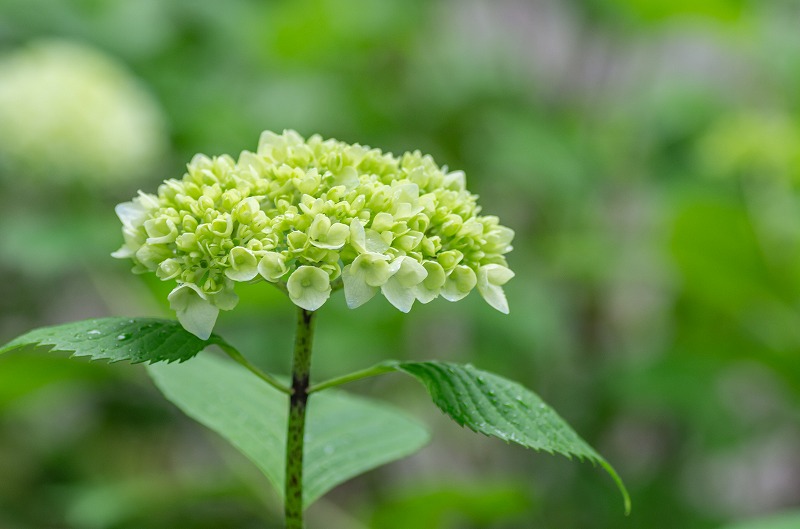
(364, 276)
(459, 283)
(194, 311)
(313, 216)
(400, 287)
(309, 287)
(323, 234)
(70, 112)
(366, 241)
(431, 285)
(161, 230)
(244, 264)
(491, 279)
(272, 266)
(168, 269)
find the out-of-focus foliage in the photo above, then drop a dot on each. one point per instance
(645, 153)
(787, 520)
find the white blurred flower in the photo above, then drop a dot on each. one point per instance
(69, 112)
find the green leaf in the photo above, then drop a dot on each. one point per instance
(348, 435)
(497, 407)
(115, 339)
(345, 435)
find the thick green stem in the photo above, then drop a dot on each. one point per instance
(301, 369)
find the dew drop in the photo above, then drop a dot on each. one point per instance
(94, 332)
(124, 336)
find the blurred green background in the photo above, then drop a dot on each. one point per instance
(646, 152)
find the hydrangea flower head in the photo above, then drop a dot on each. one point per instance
(312, 216)
(70, 112)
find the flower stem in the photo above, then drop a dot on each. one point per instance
(380, 369)
(266, 377)
(301, 368)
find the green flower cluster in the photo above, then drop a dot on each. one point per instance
(313, 216)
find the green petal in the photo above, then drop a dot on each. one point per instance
(429, 288)
(491, 279)
(132, 214)
(244, 265)
(375, 268)
(400, 289)
(358, 237)
(309, 287)
(272, 266)
(356, 290)
(319, 227)
(160, 231)
(196, 314)
(459, 283)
